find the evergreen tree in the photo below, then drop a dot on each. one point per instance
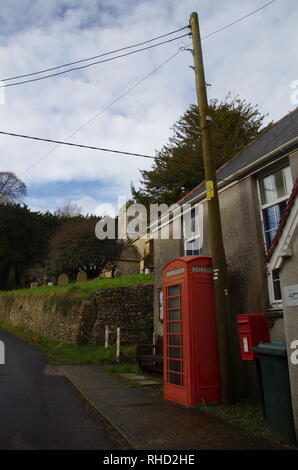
(24, 238)
(178, 167)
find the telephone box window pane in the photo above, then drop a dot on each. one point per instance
(175, 379)
(174, 291)
(176, 366)
(160, 300)
(175, 327)
(174, 315)
(175, 340)
(174, 302)
(176, 353)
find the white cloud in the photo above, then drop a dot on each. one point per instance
(254, 58)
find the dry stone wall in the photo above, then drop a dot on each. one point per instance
(53, 315)
(66, 317)
(130, 308)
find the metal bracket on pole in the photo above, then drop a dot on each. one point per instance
(215, 274)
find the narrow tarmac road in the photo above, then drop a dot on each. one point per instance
(43, 412)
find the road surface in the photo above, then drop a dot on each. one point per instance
(44, 412)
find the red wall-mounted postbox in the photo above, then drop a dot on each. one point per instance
(253, 329)
(191, 368)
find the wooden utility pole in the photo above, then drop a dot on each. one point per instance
(224, 331)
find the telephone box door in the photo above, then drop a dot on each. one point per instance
(174, 352)
(191, 371)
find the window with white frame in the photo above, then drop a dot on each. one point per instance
(193, 228)
(275, 190)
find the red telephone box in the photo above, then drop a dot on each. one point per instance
(191, 369)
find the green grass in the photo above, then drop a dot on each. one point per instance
(125, 369)
(60, 353)
(246, 414)
(83, 289)
(117, 370)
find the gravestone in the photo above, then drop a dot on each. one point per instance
(82, 276)
(63, 280)
(34, 285)
(106, 273)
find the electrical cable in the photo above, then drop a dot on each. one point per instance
(239, 19)
(121, 49)
(103, 110)
(140, 81)
(75, 145)
(94, 57)
(94, 63)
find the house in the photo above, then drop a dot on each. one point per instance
(283, 257)
(256, 188)
(128, 263)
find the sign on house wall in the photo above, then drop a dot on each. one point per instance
(291, 295)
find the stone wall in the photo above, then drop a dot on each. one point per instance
(66, 317)
(55, 316)
(131, 309)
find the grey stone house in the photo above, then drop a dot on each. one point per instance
(254, 188)
(283, 256)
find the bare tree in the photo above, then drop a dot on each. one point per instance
(12, 189)
(69, 209)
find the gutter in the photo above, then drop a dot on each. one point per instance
(248, 167)
(223, 184)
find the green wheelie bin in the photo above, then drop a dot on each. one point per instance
(276, 389)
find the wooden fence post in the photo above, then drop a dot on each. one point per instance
(107, 337)
(118, 345)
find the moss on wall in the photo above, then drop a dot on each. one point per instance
(66, 317)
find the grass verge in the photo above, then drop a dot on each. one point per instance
(117, 370)
(84, 289)
(60, 353)
(246, 414)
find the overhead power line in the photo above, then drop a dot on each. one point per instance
(91, 147)
(119, 50)
(94, 57)
(143, 79)
(104, 109)
(239, 19)
(94, 63)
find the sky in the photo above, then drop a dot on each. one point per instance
(255, 59)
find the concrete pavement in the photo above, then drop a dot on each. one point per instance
(39, 409)
(148, 422)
